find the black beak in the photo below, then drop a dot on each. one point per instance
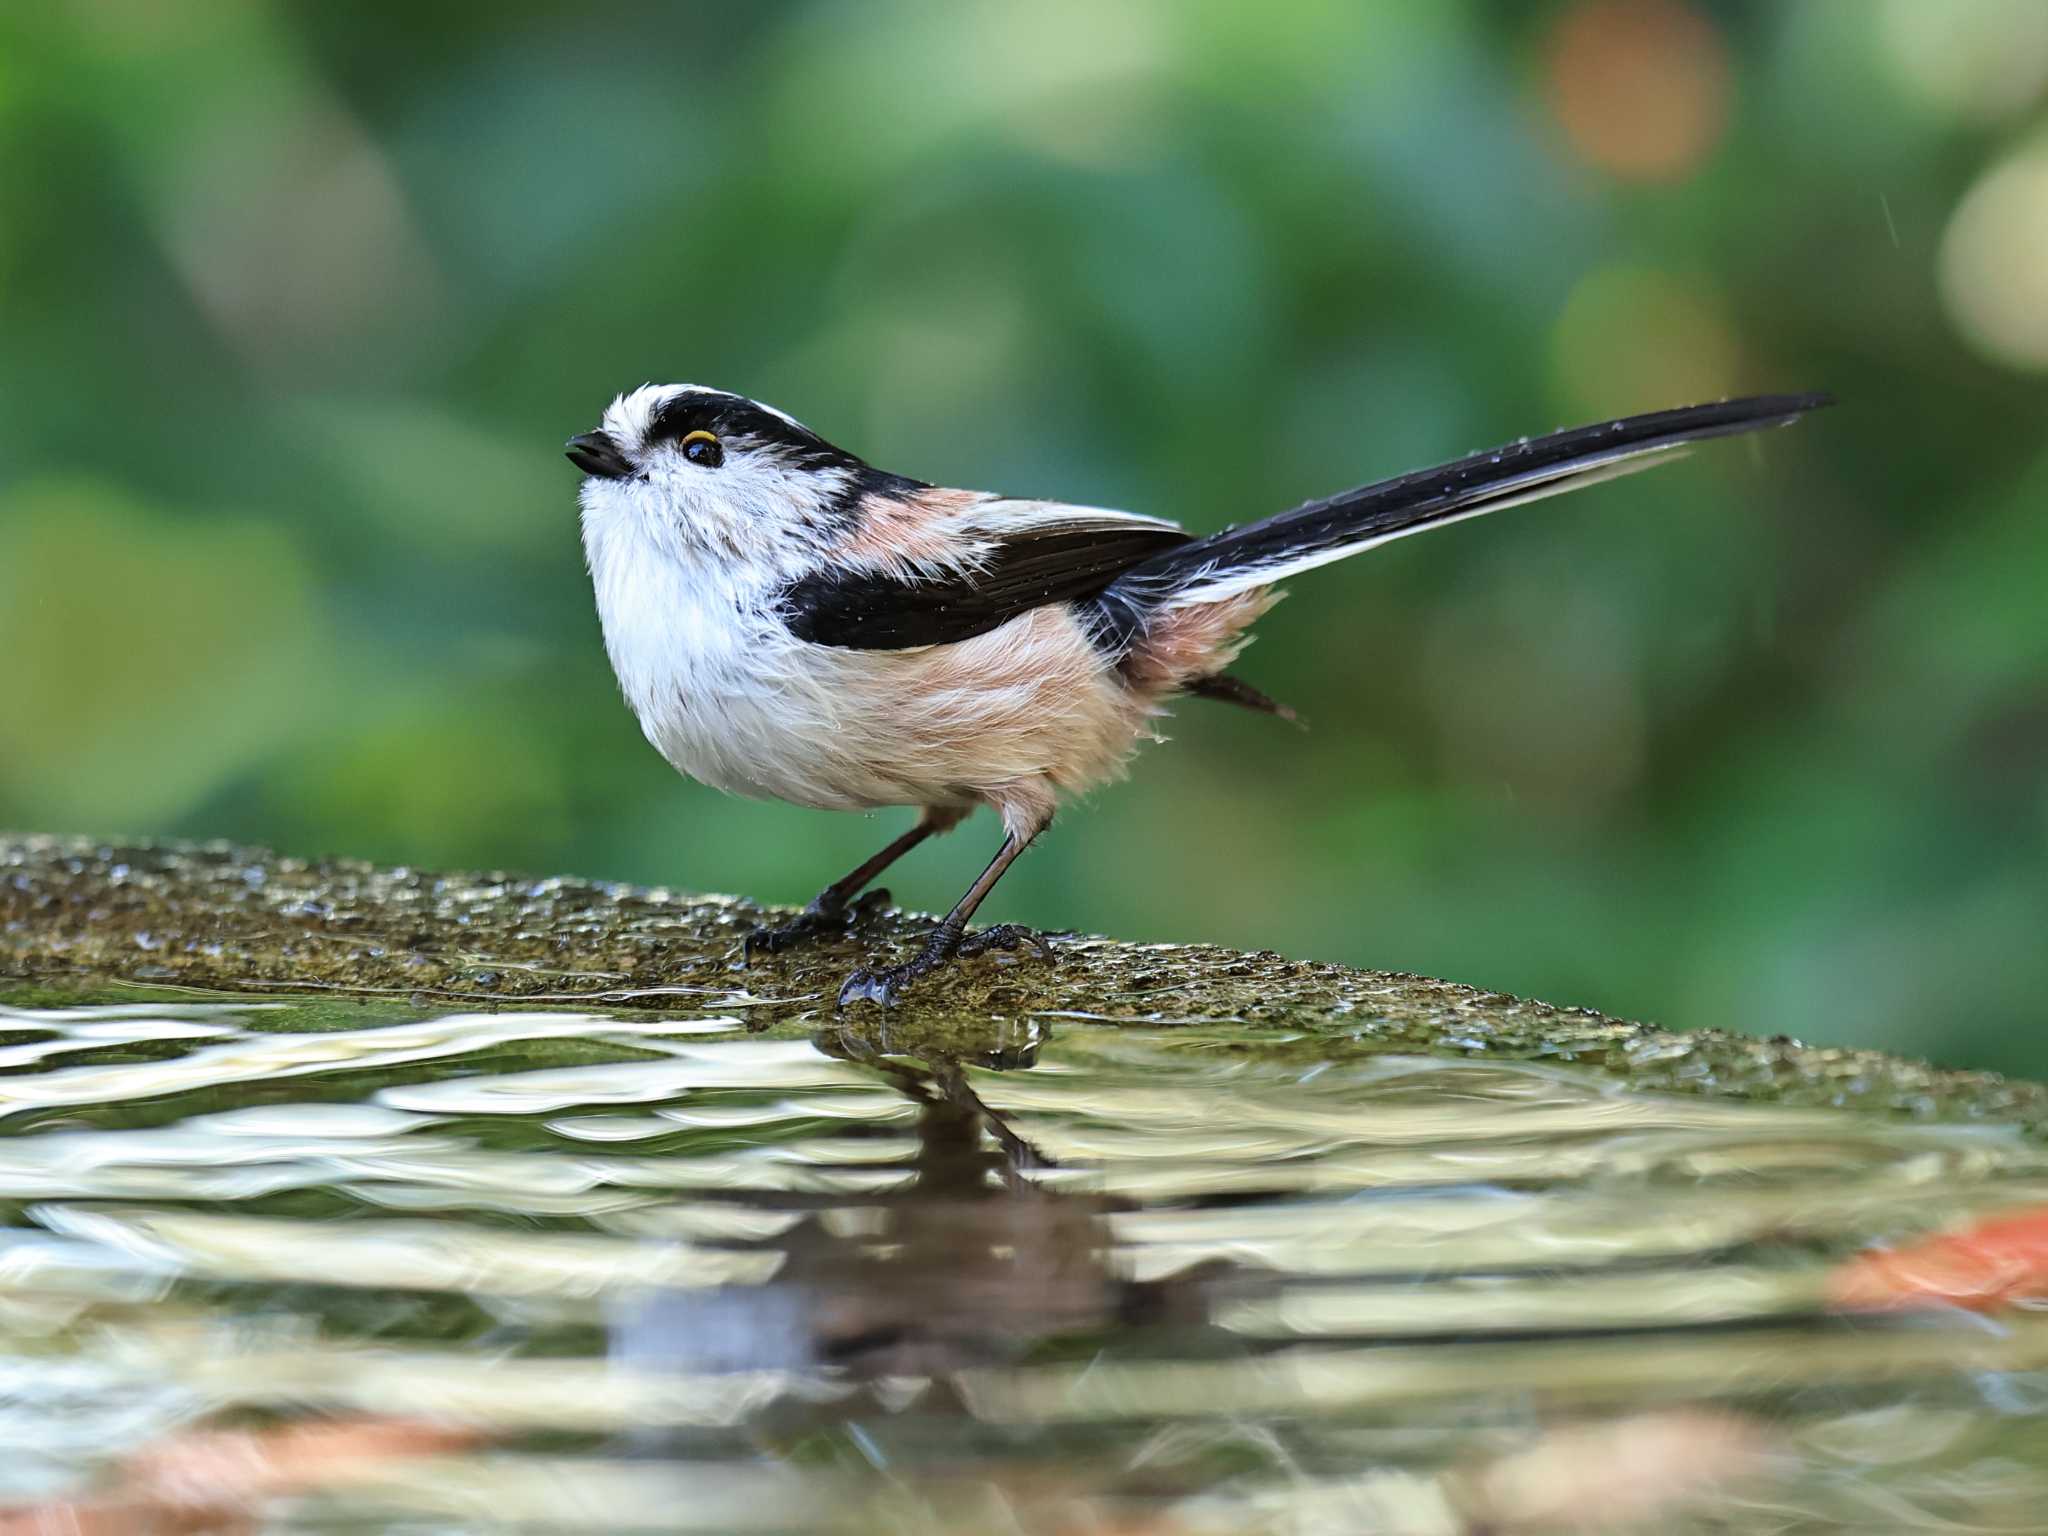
(596, 454)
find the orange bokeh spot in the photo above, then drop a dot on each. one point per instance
(1640, 89)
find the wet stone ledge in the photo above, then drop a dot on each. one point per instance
(77, 913)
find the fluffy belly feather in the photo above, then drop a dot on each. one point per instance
(1026, 711)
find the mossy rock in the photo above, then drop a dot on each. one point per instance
(77, 912)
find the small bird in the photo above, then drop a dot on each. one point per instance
(789, 622)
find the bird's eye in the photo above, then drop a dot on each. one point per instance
(702, 448)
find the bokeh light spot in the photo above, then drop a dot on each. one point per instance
(1978, 60)
(1994, 263)
(1635, 339)
(1641, 90)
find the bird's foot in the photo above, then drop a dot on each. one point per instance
(821, 919)
(884, 986)
(1011, 936)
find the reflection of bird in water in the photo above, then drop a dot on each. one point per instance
(970, 1262)
(974, 1262)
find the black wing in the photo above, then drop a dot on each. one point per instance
(1051, 562)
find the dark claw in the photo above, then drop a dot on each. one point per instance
(1010, 936)
(866, 986)
(883, 986)
(820, 919)
(805, 925)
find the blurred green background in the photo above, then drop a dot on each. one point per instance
(298, 302)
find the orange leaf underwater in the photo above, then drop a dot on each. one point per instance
(1991, 1264)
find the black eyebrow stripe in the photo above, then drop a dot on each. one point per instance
(730, 416)
(736, 417)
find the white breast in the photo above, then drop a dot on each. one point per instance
(705, 666)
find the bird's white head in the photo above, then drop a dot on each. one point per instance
(710, 475)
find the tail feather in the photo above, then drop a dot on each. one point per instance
(1237, 559)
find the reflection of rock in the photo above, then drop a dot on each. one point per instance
(970, 1263)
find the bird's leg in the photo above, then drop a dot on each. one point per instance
(948, 938)
(833, 910)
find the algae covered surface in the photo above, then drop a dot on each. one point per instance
(245, 919)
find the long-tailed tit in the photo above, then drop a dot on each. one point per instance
(788, 621)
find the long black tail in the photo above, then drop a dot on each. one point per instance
(1258, 554)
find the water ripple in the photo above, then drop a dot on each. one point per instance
(592, 1273)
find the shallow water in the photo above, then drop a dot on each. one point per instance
(572, 1271)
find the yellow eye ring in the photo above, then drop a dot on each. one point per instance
(703, 449)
